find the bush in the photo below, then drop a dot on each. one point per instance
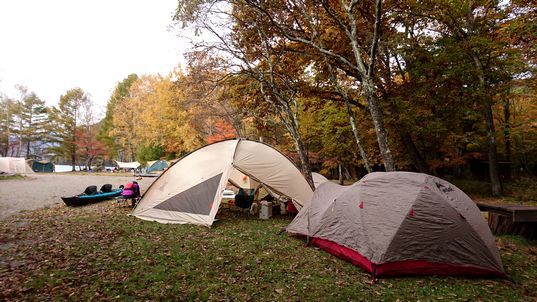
(523, 189)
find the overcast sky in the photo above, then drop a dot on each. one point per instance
(52, 46)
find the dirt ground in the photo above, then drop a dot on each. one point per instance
(42, 190)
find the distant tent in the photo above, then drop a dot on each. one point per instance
(15, 165)
(41, 166)
(156, 166)
(190, 191)
(401, 223)
(318, 179)
(130, 165)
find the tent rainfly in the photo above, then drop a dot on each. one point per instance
(15, 165)
(156, 166)
(130, 165)
(401, 223)
(190, 191)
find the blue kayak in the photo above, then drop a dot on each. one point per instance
(83, 199)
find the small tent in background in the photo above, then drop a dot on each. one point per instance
(41, 166)
(128, 165)
(401, 223)
(156, 166)
(190, 191)
(318, 179)
(16, 165)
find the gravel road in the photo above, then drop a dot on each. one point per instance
(42, 190)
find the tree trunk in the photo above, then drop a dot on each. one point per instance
(133, 153)
(8, 129)
(491, 139)
(304, 160)
(492, 151)
(90, 161)
(28, 149)
(352, 121)
(366, 72)
(19, 150)
(378, 122)
(29, 129)
(73, 136)
(507, 133)
(340, 174)
(347, 173)
(73, 161)
(357, 136)
(412, 150)
(507, 128)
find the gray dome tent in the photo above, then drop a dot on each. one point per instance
(400, 223)
(190, 191)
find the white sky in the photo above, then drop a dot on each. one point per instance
(53, 46)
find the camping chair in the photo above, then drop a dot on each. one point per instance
(131, 191)
(244, 200)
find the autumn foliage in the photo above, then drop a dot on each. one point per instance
(436, 86)
(222, 130)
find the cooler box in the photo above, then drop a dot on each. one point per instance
(266, 210)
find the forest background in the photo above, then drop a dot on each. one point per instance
(341, 87)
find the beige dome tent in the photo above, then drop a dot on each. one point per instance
(400, 223)
(190, 191)
(15, 165)
(318, 179)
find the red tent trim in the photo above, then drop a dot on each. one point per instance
(401, 268)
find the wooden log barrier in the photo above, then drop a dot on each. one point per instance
(504, 225)
(512, 219)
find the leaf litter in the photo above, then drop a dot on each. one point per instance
(99, 253)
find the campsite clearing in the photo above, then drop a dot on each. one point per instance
(37, 190)
(98, 252)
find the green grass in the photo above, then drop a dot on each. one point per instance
(521, 191)
(100, 253)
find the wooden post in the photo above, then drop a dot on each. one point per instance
(502, 225)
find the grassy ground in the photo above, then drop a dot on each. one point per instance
(99, 253)
(16, 176)
(519, 191)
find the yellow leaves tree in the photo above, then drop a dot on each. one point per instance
(155, 113)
